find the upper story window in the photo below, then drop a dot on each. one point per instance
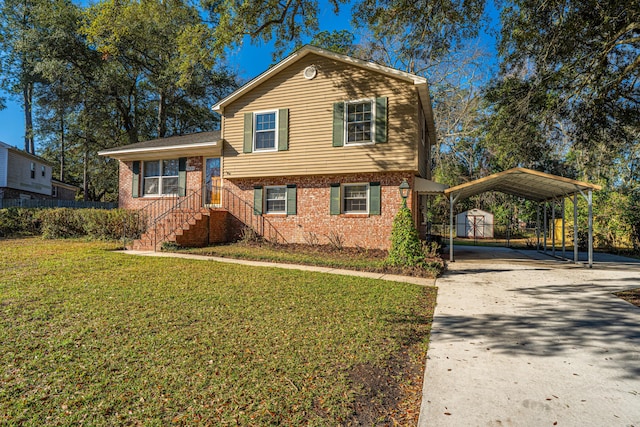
(43, 170)
(359, 123)
(265, 135)
(266, 131)
(160, 177)
(33, 170)
(276, 200)
(355, 198)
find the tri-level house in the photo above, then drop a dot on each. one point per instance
(312, 150)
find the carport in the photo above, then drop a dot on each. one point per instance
(539, 187)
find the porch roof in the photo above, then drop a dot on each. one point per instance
(200, 144)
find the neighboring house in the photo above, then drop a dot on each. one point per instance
(313, 149)
(24, 176)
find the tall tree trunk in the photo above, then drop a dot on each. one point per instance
(85, 175)
(62, 147)
(162, 115)
(27, 95)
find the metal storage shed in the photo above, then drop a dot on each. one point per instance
(474, 224)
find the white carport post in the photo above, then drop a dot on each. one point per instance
(553, 227)
(563, 231)
(590, 202)
(575, 228)
(538, 227)
(452, 200)
(544, 230)
(589, 198)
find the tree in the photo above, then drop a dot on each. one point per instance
(584, 56)
(19, 46)
(165, 43)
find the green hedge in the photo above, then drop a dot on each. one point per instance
(100, 224)
(19, 222)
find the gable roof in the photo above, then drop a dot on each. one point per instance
(25, 154)
(308, 49)
(522, 182)
(203, 142)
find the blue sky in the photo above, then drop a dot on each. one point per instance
(247, 60)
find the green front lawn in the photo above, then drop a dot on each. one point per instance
(89, 336)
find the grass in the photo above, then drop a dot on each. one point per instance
(317, 255)
(631, 295)
(89, 336)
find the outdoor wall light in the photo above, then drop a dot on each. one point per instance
(404, 190)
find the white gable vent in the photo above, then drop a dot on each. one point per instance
(310, 72)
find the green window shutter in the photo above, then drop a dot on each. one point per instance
(135, 184)
(182, 176)
(257, 200)
(334, 208)
(338, 124)
(381, 120)
(291, 199)
(283, 129)
(247, 146)
(374, 198)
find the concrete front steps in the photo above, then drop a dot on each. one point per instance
(183, 227)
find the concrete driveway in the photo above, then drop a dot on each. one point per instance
(521, 339)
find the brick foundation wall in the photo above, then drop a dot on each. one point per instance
(313, 201)
(12, 193)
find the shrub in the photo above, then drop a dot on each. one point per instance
(61, 223)
(19, 222)
(99, 224)
(406, 249)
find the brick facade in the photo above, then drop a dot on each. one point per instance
(313, 217)
(312, 221)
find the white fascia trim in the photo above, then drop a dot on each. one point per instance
(159, 149)
(417, 80)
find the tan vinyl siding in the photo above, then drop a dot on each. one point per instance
(423, 151)
(310, 104)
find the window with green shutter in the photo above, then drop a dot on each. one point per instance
(266, 131)
(360, 122)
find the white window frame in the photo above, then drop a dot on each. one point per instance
(256, 131)
(33, 170)
(343, 197)
(266, 199)
(372, 129)
(160, 177)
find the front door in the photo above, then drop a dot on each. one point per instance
(213, 181)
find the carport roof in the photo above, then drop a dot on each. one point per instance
(522, 182)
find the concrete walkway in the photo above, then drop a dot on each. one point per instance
(521, 339)
(330, 270)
